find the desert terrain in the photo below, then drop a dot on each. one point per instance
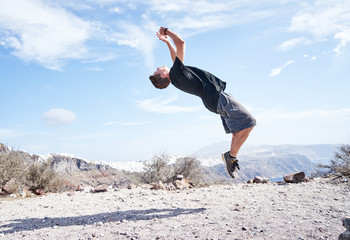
(308, 210)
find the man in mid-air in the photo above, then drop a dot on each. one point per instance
(235, 118)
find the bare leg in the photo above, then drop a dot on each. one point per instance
(238, 138)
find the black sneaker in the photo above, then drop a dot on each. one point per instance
(230, 163)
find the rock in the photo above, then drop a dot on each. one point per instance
(179, 177)
(99, 224)
(39, 192)
(100, 188)
(80, 188)
(294, 177)
(67, 164)
(261, 180)
(124, 183)
(10, 187)
(157, 186)
(345, 235)
(181, 184)
(170, 187)
(24, 192)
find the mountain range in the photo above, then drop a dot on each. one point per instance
(270, 161)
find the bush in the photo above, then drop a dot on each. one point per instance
(158, 169)
(340, 165)
(40, 176)
(18, 172)
(11, 167)
(190, 168)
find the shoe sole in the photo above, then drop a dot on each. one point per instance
(224, 160)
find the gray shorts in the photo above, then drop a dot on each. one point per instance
(234, 116)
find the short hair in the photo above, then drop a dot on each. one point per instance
(159, 82)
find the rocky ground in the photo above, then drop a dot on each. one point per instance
(310, 210)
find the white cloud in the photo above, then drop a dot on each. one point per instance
(51, 33)
(142, 37)
(287, 45)
(281, 115)
(5, 133)
(277, 71)
(42, 33)
(344, 38)
(129, 42)
(92, 135)
(136, 123)
(102, 58)
(11, 133)
(116, 10)
(159, 105)
(191, 17)
(58, 116)
(111, 123)
(95, 69)
(324, 18)
(126, 123)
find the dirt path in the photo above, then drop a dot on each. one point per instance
(310, 210)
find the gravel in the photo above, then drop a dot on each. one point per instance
(310, 210)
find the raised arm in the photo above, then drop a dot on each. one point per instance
(165, 39)
(178, 41)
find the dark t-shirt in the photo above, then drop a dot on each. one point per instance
(197, 82)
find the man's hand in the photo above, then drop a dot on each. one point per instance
(162, 30)
(178, 41)
(163, 38)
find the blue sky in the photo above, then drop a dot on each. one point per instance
(74, 74)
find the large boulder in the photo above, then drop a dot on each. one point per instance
(182, 184)
(100, 188)
(157, 186)
(39, 192)
(261, 180)
(295, 177)
(11, 186)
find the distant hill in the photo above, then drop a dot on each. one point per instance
(317, 153)
(75, 170)
(271, 161)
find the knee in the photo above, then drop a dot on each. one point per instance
(243, 132)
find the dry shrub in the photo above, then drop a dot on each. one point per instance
(41, 176)
(11, 167)
(17, 172)
(190, 168)
(159, 169)
(156, 170)
(340, 165)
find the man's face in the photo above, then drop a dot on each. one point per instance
(163, 71)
